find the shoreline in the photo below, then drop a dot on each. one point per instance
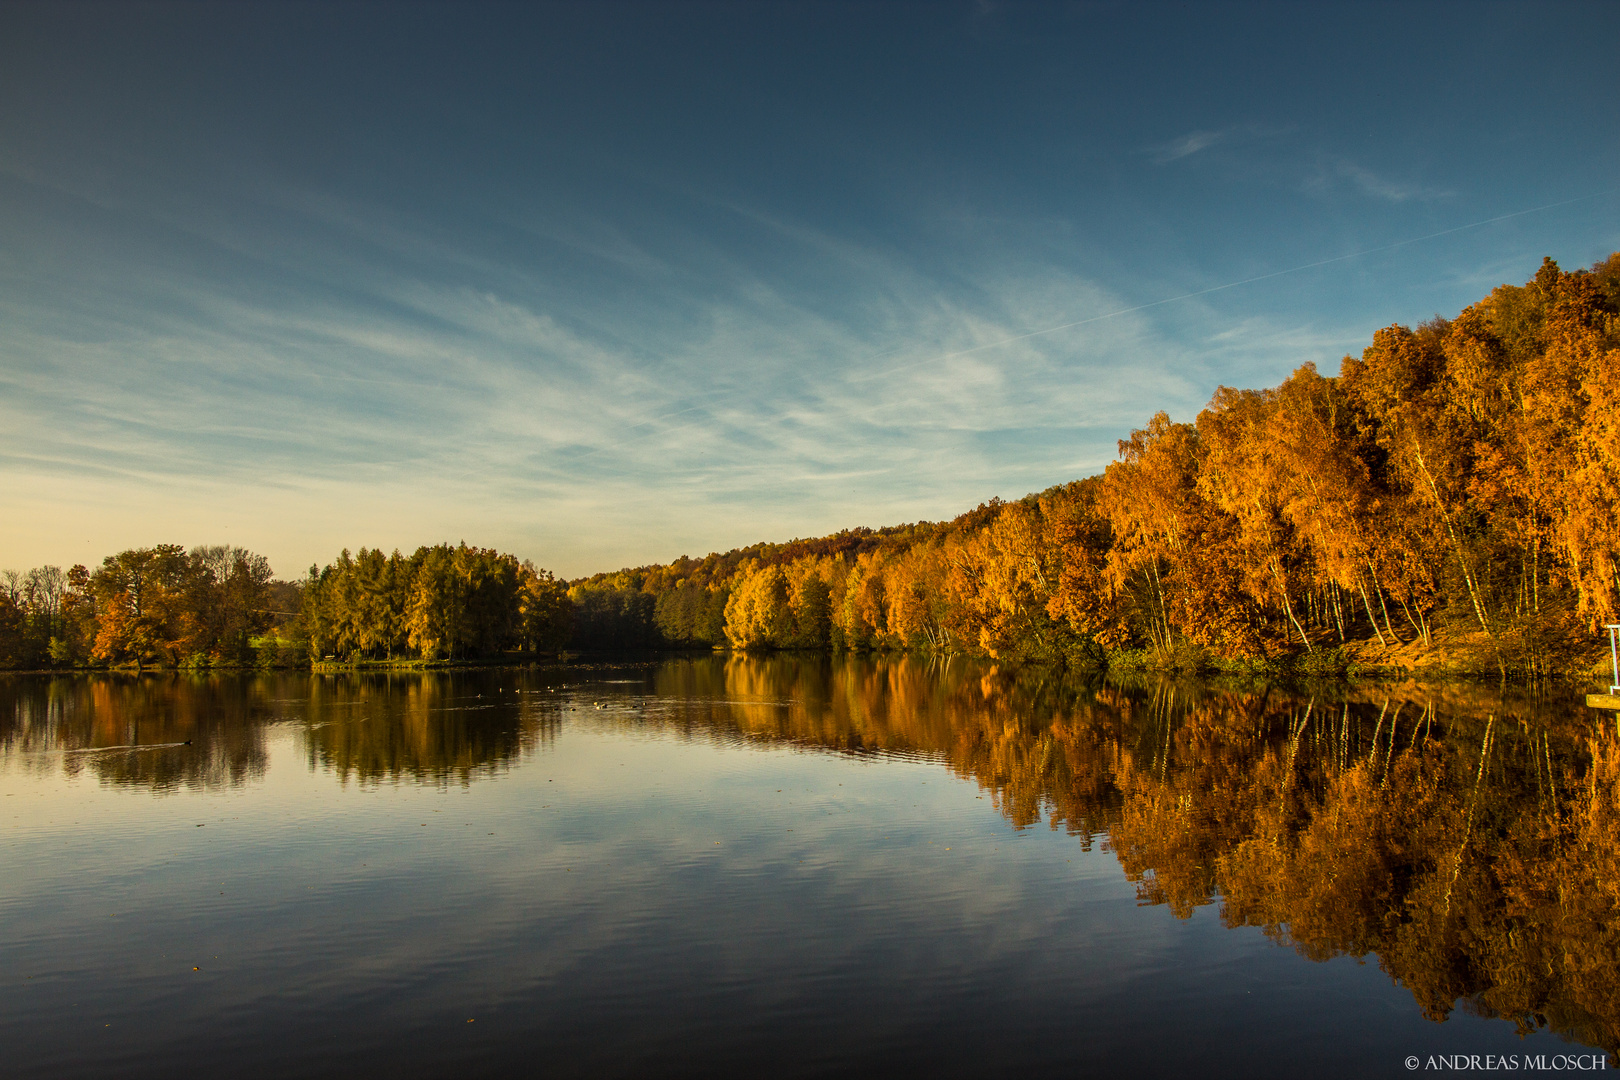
(1122, 663)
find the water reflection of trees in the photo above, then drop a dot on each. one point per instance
(207, 732)
(135, 730)
(435, 728)
(995, 729)
(1465, 838)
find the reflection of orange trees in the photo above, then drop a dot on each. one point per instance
(1041, 759)
(1338, 870)
(814, 701)
(133, 731)
(1467, 841)
(1477, 866)
(1174, 822)
(1560, 870)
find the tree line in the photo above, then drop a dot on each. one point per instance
(162, 605)
(441, 602)
(223, 607)
(1448, 498)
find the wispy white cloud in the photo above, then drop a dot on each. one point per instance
(1380, 187)
(1233, 135)
(1332, 175)
(1320, 172)
(1185, 146)
(372, 401)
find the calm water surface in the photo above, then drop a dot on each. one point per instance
(804, 866)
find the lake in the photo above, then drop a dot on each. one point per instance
(800, 866)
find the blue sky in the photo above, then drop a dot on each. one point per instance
(608, 283)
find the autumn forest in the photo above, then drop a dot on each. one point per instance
(1445, 503)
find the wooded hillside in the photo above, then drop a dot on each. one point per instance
(1448, 499)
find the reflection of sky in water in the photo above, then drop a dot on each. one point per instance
(625, 897)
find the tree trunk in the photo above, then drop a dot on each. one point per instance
(1379, 589)
(1289, 607)
(1370, 616)
(1457, 546)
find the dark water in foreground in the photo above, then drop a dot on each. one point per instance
(797, 867)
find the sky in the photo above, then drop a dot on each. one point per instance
(604, 284)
